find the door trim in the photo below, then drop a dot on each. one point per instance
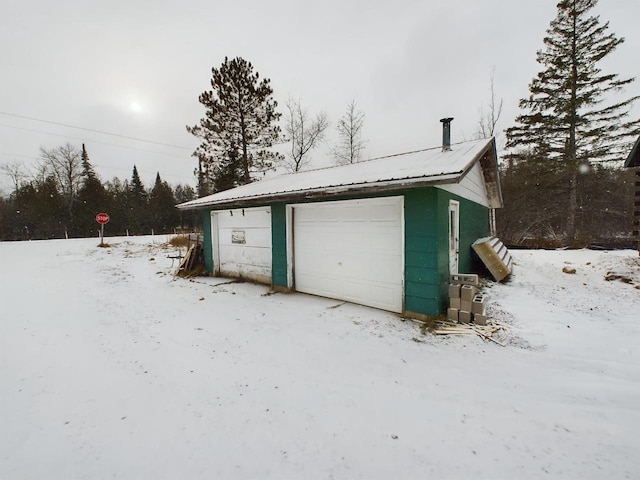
(454, 236)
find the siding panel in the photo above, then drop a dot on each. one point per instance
(279, 245)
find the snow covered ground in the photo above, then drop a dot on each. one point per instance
(111, 367)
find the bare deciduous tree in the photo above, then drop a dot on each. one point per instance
(350, 143)
(16, 173)
(303, 134)
(64, 164)
(489, 119)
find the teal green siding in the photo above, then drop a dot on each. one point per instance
(279, 244)
(206, 230)
(421, 280)
(474, 224)
(426, 273)
(426, 244)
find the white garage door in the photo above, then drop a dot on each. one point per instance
(242, 243)
(351, 250)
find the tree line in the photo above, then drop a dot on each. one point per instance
(562, 176)
(62, 198)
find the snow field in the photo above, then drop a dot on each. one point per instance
(111, 367)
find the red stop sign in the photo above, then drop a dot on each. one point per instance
(102, 218)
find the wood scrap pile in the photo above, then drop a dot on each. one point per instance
(448, 327)
(193, 262)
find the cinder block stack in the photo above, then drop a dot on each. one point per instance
(479, 309)
(466, 304)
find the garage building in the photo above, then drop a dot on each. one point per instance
(386, 232)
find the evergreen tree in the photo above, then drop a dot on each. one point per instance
(137, 203)
(137, 193)
(162, 207)
(239, 127)
(188, 219)
(118, 198)
(92, 198)
(567, 125)
(40, 210)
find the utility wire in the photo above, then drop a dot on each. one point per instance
(91, 141)
(19, 155)
(94, 131)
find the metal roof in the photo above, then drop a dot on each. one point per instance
(406, 170)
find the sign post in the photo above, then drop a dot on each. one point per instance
(102, 218)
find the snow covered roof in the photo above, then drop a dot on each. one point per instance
(406, 170)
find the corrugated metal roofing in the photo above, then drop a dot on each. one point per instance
(424, 166)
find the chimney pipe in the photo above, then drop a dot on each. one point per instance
(446, 133)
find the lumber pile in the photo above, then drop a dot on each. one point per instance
(192, 262)
(486, 332)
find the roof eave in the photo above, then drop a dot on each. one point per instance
(322, 192)
(488, 159)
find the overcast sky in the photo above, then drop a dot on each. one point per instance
(136, 69)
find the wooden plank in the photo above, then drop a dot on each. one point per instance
(488, 337)
(186, 258)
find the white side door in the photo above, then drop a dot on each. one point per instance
(454, 236)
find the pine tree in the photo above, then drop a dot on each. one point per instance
(40, 210)
(137, 204)
(188, 219)
(162, 207)
(568, 125)
(239, 127)
(118, 193)
(136, 188)
(92, 198)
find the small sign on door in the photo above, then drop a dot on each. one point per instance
(238, 236)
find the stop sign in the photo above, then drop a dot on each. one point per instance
(102, 218)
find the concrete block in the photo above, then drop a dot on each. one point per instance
(479, 319)
(479, 304)
(454, 291)
(454, 303)
(466, 305)
(467, 292)
(464, 317)
(464, 279)
(452, 314)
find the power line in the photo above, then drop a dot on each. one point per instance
(94, 131)
(91, 141)
(18, 155)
